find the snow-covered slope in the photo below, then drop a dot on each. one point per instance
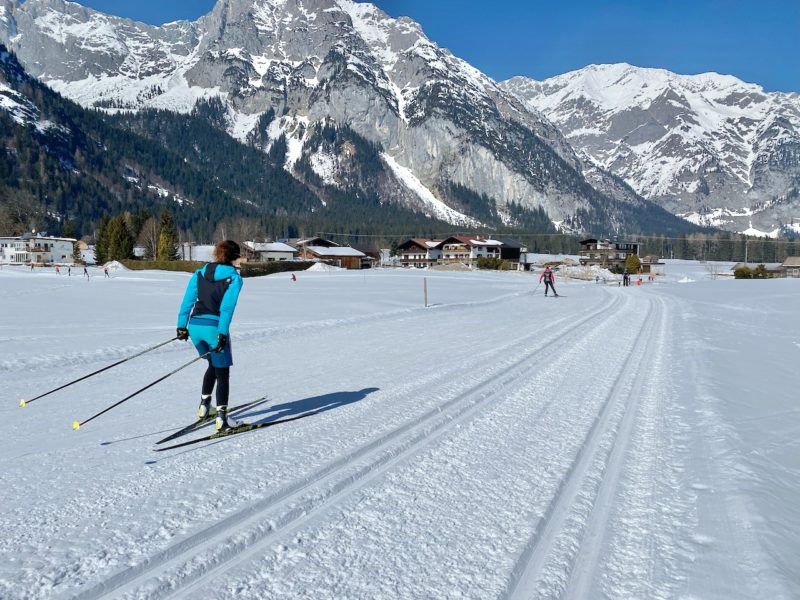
(311, 61)
(710, 147)
(20, 108)
(623, 443)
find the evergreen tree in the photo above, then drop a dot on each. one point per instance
(632, 263)
(76, 253)
(101, 242)
(120, 239)
(167, 237)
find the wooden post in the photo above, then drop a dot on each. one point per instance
(425, 288)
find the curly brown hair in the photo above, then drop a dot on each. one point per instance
(226, 252)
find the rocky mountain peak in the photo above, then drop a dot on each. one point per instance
(440, 123)
(710, 147)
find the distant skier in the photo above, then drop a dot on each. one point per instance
(626, 278)
(86, 272)
(205, 315)
(293, 277)
(549, 279)
(69, 271)
(105, 270)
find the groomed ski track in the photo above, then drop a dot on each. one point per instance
(185, 568)
(504, 471)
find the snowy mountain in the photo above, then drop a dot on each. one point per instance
(63, 167)
(709, 147)
(438, 121)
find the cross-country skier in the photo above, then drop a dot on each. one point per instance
(549, 279)
(205, 316)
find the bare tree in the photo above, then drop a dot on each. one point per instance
(148, 238)
(239, 230)
(713, 269)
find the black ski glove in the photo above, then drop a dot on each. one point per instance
(183, 333)
(222, 341)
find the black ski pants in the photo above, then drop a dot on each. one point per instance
(220, 376)
(549, 284)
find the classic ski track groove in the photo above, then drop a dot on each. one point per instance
(528, 569)
(587, 559)
(378, 455)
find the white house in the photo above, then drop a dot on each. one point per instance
(271, 251)
(37, 249)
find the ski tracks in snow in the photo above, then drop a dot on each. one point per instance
(182, 568)
(575, 552)
(590, 508)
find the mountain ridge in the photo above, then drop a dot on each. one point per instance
(710, 147)
(311, 61)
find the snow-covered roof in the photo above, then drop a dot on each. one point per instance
(468, 241)
(335, 251)
(309, 241)
(269, 247)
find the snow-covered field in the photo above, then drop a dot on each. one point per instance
(639, 442)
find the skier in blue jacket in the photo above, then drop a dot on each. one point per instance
(205, 316)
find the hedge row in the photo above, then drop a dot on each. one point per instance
(268, 268)
(190, 266)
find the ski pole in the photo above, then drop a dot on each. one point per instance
(76, 425)
(24, 402)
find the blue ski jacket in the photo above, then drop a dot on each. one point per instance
(217, 303)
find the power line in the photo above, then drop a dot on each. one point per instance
(689, 238)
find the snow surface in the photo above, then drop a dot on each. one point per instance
(638, 442)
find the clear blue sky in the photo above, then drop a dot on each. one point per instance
(756, 41)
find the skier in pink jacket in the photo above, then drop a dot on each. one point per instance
(549, 279)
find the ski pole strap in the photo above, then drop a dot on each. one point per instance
(119, 362)
(77, 425)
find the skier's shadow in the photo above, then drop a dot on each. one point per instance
(314, 405)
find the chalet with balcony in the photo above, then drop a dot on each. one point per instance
(35, 249)
(467, 250)
(606, 253)
(419, 252)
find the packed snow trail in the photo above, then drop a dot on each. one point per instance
(493, 445)
(408, 438)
